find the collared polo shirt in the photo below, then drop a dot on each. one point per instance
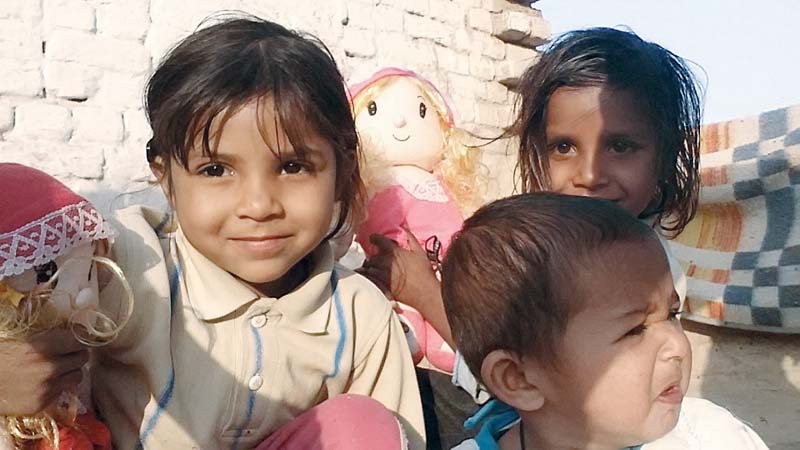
(206, 362)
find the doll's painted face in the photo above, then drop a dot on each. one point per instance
(401, 126)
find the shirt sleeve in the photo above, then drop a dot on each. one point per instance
(704, 425)
(384, 371)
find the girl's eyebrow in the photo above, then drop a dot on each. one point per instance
(625, 134)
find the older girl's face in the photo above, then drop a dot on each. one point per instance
(600, 143)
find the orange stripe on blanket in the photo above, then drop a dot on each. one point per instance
(713, 176)
(714, 137)
(719, 276)
(706, 308)
(714, 227)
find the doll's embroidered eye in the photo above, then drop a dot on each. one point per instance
(422, 110)
(45, 271)
(372, 108)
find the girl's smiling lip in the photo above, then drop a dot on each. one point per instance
(401, 140)
(262, 245)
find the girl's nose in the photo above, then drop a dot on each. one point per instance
(400, 121)
(258, 200)
(590, 173)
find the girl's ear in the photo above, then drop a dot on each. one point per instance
(513, 380)
(160, 172)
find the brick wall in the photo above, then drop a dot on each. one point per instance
(72, 71)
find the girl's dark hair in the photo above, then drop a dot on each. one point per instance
(223, 67)
(621, 60)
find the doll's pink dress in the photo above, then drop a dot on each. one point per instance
(427, 210)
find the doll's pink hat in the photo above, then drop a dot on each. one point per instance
(356, 88)
(41, 219)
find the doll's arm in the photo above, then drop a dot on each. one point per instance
(408, 276)
(34, 372)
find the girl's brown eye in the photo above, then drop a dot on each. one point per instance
(422, 110)
(214, 170)
(372, 108)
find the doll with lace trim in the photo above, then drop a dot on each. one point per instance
(420, 176)
(50, 242)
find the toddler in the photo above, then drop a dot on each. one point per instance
(584, 347)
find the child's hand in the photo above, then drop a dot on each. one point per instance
(408, 277)
(406, 274)
(33, 373)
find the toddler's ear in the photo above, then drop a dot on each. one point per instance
(514, 380)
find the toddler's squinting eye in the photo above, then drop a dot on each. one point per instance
(637, 330)
(372, 108)
(422, 110)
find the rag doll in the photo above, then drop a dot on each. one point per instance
(51, 245)
(419, 175)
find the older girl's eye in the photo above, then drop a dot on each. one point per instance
(562, 148)
(621, 146)
(213, 170)
(422, 110)
(372, 108)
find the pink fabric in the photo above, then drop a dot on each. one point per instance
(388, 212)
(41, 219)
(344, 422)
(30, 194)
(393, 208)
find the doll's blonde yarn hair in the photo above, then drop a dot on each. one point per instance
(459, 169)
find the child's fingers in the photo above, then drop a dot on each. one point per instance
(55, 342)
(413, 243)
(66, 363)
(65, 382)
(384, 244)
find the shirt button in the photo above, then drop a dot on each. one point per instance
(255, 382)
(259, 321)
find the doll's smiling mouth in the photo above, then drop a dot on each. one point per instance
(402, 140)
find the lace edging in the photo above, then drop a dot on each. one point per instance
(429, 190)
(51, 236)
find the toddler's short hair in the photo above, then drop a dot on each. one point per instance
(508, 280)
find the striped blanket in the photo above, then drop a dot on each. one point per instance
(742, 251)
